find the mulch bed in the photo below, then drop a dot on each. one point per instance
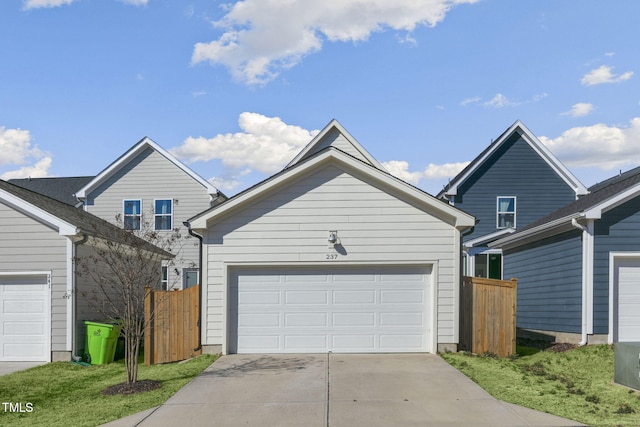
(132, 388)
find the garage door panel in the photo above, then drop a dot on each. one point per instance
(260, 297)
(627, 282)
(354, 297)
(307, 297)
(354, 319)
(24, 329)
(305, 343)
(364, 309)
(402, 319)
(262, 320)
(401, 296)
(24, 318)
(353, 343)
(306, 320)
(392, 342)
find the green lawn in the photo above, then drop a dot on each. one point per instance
(575, 384)
(67, 394)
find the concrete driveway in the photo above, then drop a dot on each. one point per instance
(11, 367)
(336, 390)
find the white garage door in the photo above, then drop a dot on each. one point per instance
(366, 309)
(24, 302)
(627, 277)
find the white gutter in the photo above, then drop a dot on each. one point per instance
(585, 278)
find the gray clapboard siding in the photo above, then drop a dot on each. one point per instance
(37, 247)
(290, 226)
(515, 169)
(549, 274)
(618, 230)
(148, 177)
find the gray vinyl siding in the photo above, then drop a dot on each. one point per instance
(617, 231)
(148, 177)
(549, 274)
(28, 245)
(290, 227)
(515, 169)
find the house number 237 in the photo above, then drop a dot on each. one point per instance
(331, 256)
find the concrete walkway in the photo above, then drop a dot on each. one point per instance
(336, 390)
(11, 367)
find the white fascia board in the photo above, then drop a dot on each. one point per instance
(462, 219)
(335, 124)
(595, 212)
(145, 143)
(537, 146)
(64, 228)
(488, 237)
(536, 233)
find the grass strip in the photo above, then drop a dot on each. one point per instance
(68, 394)
(575, 384)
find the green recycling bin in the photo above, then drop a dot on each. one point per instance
(101, 342)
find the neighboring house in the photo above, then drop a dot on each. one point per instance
(331, 254)
(578, 268)
(512, 183)
(63, 189)
(41, 304)
(149, 185)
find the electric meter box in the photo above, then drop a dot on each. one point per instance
(627, 364)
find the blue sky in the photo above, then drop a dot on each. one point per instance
(236, 89)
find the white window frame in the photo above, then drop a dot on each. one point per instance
(498, 212)
(164, 278)
(156, 214)
(125, 216)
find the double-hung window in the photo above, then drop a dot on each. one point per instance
(506, 212)
(132, 211)
(163, 212)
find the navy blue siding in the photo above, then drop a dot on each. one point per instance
(617, 231)
(515, 169)
(549, 274)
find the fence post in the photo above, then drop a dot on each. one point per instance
(148, 327)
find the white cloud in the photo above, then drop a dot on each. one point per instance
(580, 109)
(501, 101)
(39, 170)
(263, 37)
(473, 100)
(400, 169)
(266, 145)
(601, 146)
(604, 74)
(37, 4)
(17, 150)
(15, 146)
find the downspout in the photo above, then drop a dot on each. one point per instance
(74, 300)
(199, 237)
(585, 272)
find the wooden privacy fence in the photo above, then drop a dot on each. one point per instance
(488, 316)
(171, 325)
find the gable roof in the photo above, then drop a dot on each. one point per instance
(62, 189)
(335, 135)
(560, 169)
(131, 154)
(602, 198)
(332, 155)
(66, 219)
